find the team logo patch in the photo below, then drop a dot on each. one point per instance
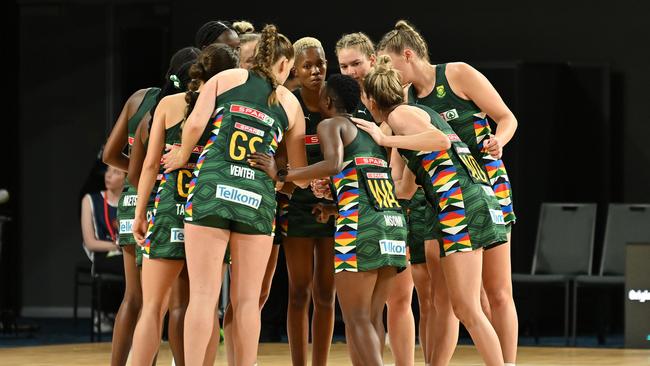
(370, 161)
(240, 196)
(177, 235)
(440, 91)
(248, 111)
(126, 226)
(249, 129)
(311, 140)
(130, 200)
(449, 115)
(497, 217)
(131, 140)
(392, 247)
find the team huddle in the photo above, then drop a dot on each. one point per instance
(383, 177)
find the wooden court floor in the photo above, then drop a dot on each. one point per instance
(277, 354)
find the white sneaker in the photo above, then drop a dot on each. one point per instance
(106, 324)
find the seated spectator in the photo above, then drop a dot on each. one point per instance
(99, 230)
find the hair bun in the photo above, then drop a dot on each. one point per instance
(384, 63)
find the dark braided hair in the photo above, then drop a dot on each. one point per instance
(271, 47)
(344, 91)
(177, 76)
(210, 31)
(212, 60)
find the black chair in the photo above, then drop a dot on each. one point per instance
(625, 223)
(563, 249)
(82, 278)
(86, 275)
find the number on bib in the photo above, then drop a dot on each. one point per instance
(476, 171)
(381, 190)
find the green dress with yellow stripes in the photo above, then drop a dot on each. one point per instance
(472, 127)
(469, 214)
(417, 210)
(166, 236)
(224, 187)
(371, 230)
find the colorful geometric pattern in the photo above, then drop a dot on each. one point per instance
(346, 184)
(451, 213)
(501, 185)
(156, 202)
(481, 127)
(495, 169)
(277, 138)
(216, 119)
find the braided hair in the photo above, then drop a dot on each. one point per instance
(357, 40)
(210, 31)
(404, 36)
(271, 47)
(212, 60)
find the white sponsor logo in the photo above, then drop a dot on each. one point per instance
(177, 235)
(449, 115)
(126, 226)
(392, 220)
(394, 247)
(130, 200)
(243, 197)
(370, 161)
(497, 217)
(462, 150)
(249, 129)
(377, 175)
(242, 172)
(639, 295)
(263, 117)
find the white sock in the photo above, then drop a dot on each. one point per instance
(509, 364)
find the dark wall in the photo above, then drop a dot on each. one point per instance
(79, 64)
(604, 32)
(70, 94)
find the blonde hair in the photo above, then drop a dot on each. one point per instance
(404, 36)
(383, 84)
(305, 43)
(356, 40)
(271, 47)
(243, 27)
(248, 37)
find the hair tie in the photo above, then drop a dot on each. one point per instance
(175, 80)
